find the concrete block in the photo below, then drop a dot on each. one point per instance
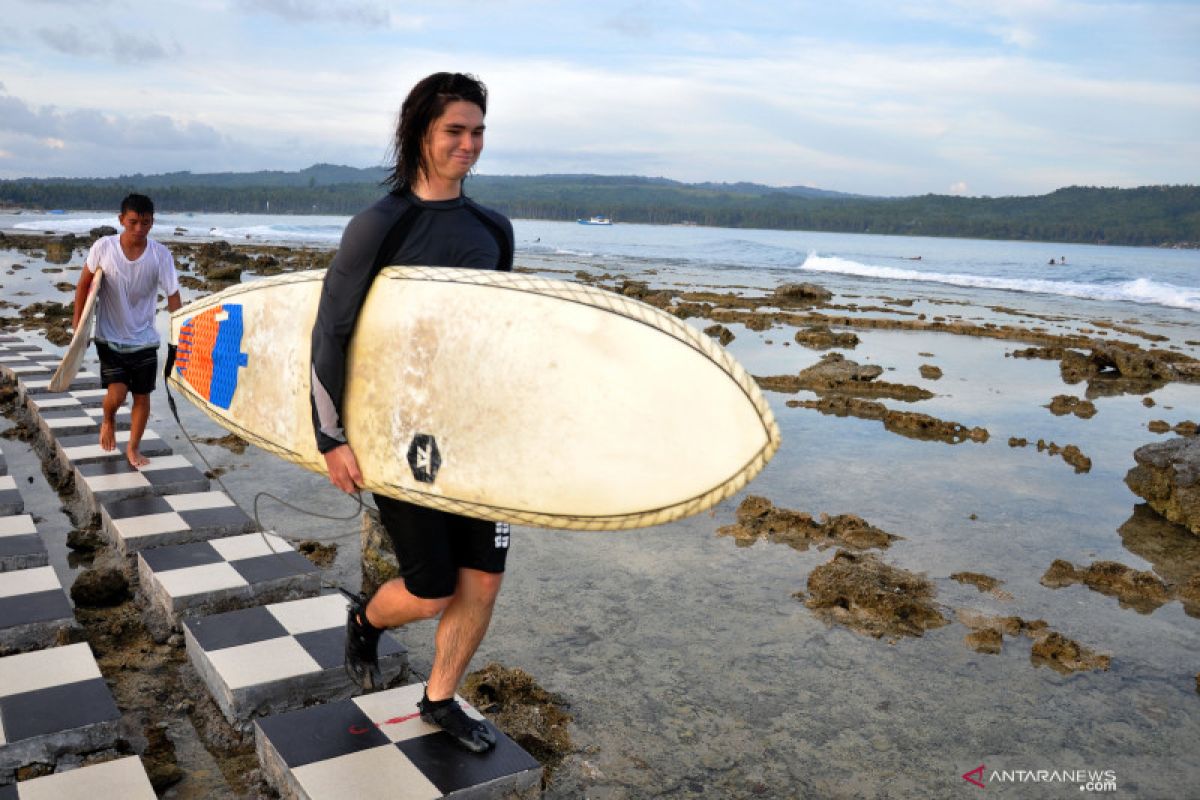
(77, 421)
(10, 499)
(279, 657)
(200, 579)
(88, 398)
(113, 480)
(34, 609)
(74, 451)
(20, 545)
(155, 521)
(37, 386)
(120, 779)
(377, 746)
(3, 464)
(53, 702)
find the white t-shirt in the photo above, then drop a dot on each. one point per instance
(125, 307)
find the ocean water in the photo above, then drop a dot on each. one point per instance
(691, 668)
(1141, 277)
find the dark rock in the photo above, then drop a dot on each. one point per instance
(790, 294)
(1167, 476)
(103, 230)
(720, 333)
(821, 337)
(100, 587)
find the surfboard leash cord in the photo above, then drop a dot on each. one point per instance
(262, 532)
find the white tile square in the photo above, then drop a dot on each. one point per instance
(200, 580)
(149, 525)
(395, 712)
(69, 422)
(53, 666)
(17, 525)
(192, 501)
(7, 482)
(262, 662)
(88, 394)
(249, 545)
(56, 402)
(28, 581)
(310, 614)
(377, 772)
(122, 480)
(122, 779)
(166, 462)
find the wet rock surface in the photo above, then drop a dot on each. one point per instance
(822, 337)
(1167, 476)
(230, 441)
(984, 583)
(534, 718)
(911, 424)
(1050, 648)
(379, 563)
(1069, 453)
(930, 372)
(758, 518)
(322, 555)
(835, 374)
(1139, 590)
(1063, 404)
(862, 593)
(720, 333)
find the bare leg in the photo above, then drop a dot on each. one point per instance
(138, 418)
(113, 401)
(465, 619)
(461, 629)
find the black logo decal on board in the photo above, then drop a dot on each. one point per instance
(423, 458)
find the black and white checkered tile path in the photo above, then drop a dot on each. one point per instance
(34, 609)
(87, 398)
(154, 520)
(20, 545)
(74, 451)
(105, 482)
(281, 656)
(3, 464)
(77, 420)
(196, 579)
(377, 746)
(33, 385)
(120, 779)
(53, 701)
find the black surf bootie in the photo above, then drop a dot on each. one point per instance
(362, 645)
(470, 734)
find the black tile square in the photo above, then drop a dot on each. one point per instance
(23, 609)
(195, 554)
(327, 647)
(321, 732)
(9, 792)
(58, 708)
(450, 768)
(168, 477)
(272, 566)
(138, 507)
(116, 466)
(223, 517)
(21, 545)
(234, 628)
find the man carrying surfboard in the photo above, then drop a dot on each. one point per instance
(136, 268)
(451, 566)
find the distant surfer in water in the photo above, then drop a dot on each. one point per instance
(451, 566)
(136, 268)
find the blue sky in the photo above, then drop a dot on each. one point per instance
(885, 98)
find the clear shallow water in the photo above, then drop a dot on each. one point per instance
(690, 667)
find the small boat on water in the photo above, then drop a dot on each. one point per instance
(596, 220)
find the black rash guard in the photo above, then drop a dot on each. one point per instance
(447, 233)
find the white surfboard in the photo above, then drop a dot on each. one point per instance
(80, 340)
(497, 395)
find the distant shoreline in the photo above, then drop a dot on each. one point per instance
(1156, 216)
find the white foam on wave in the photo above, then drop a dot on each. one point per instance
(1139, 290)
(285, 233)
(67, 224)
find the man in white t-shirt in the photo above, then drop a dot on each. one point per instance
(135, 268)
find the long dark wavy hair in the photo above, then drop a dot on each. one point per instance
(425, 103)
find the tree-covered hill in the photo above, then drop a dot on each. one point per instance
(1148, 215)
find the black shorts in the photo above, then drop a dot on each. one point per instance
(138, 369)
(433, 545)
